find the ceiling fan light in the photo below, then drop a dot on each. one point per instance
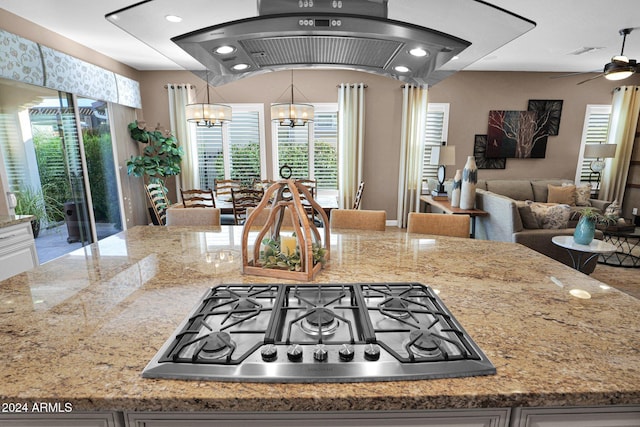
(620, 59)
(618, 71)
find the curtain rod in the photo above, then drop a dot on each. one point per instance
(189, 86)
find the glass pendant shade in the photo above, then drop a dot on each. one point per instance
(292, 114)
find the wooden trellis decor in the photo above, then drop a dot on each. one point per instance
(298, 256)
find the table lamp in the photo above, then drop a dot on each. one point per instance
(599, 152)
(442, 156)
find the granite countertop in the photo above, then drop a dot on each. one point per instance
(9, 220)
(81, 328)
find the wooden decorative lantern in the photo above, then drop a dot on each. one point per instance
(297, 256)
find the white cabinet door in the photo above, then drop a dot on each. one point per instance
(609, 416)
(72, 419)
(444, 418)
(17, 250)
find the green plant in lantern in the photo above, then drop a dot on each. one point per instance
(272, 255)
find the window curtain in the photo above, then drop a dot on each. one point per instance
(350, 141)
(624, 122)
(414, 118)
(179, 95)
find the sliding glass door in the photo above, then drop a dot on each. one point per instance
(59, 162)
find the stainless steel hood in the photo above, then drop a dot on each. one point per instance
(368, 35)
(358, 37)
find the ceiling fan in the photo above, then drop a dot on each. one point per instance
(620, 66)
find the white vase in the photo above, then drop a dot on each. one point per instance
(455, 190)
(469, 181)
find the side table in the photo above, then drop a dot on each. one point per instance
(577, 251)
(626, 242)
(445, 206)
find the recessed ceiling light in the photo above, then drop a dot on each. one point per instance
(224, 50)
(240, 67)
(173, 18)
(418, 51)
(401, 69)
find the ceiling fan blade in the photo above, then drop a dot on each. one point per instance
(592, 78)
(578, 73)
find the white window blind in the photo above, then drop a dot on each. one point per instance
(594, 131)
(234, 150)
(436, 132)
(311, 150)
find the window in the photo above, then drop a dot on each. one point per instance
(594, 131)
(311, 151)
(234, 150)
(436, 132)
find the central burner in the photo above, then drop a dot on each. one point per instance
(395, 307)
(216, 345)
(245, 308)
(320, 321)
(425, 344)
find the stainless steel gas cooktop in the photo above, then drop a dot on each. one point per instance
(319, 333)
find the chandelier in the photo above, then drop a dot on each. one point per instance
(292, 114)
(208, 115)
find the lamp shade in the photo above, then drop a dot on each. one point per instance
(599, 151)
(208, 115)
(443, 155)
(292, 114)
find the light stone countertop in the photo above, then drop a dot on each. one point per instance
(81, 328)
(9, 220)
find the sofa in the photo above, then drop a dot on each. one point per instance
(511, 203)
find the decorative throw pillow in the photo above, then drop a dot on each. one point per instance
(583, 195)
(562, 194)
(557, 217)
(550, 215)
(526, 215)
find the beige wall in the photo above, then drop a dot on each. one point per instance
(471, 96)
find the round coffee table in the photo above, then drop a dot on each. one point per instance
(577, 252)
(626, 242)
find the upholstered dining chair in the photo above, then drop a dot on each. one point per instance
(197, 198)
(242, 199)
(439, 224)
(179, 215)
(358, 219)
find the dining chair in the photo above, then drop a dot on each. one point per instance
(223, 187)
(262, 183)
(261, 219)
(197, 198)
(439, 224)
(159, 202)
(311, 185)
(204, 216)
(358, 198)
(358, 219)
(242, 199)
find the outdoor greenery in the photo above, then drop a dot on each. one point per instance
(31, 201)
(56, 189)
(102, 170)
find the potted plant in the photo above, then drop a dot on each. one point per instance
(586, 227)
(30, 201)
(160, 158)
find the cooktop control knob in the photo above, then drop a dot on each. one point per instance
(372, 352)
(320, 353)
(346, 353)
(269, 353)
(294, 353)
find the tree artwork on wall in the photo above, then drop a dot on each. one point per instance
(483, 162)
(516, 134)
(548, 110)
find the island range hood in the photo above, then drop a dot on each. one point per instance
(416, 41)
(352, 35)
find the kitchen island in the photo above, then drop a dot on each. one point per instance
(77, 332)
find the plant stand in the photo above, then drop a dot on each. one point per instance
(284, 197)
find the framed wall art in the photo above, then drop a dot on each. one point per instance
(549, 112)
(515, 134)
(479, 149)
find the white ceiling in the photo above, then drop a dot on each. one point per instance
(563, 27)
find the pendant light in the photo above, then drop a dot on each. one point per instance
(292, 114)
(208, 115)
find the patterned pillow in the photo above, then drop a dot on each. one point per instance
(583, 194)
(550, 215)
